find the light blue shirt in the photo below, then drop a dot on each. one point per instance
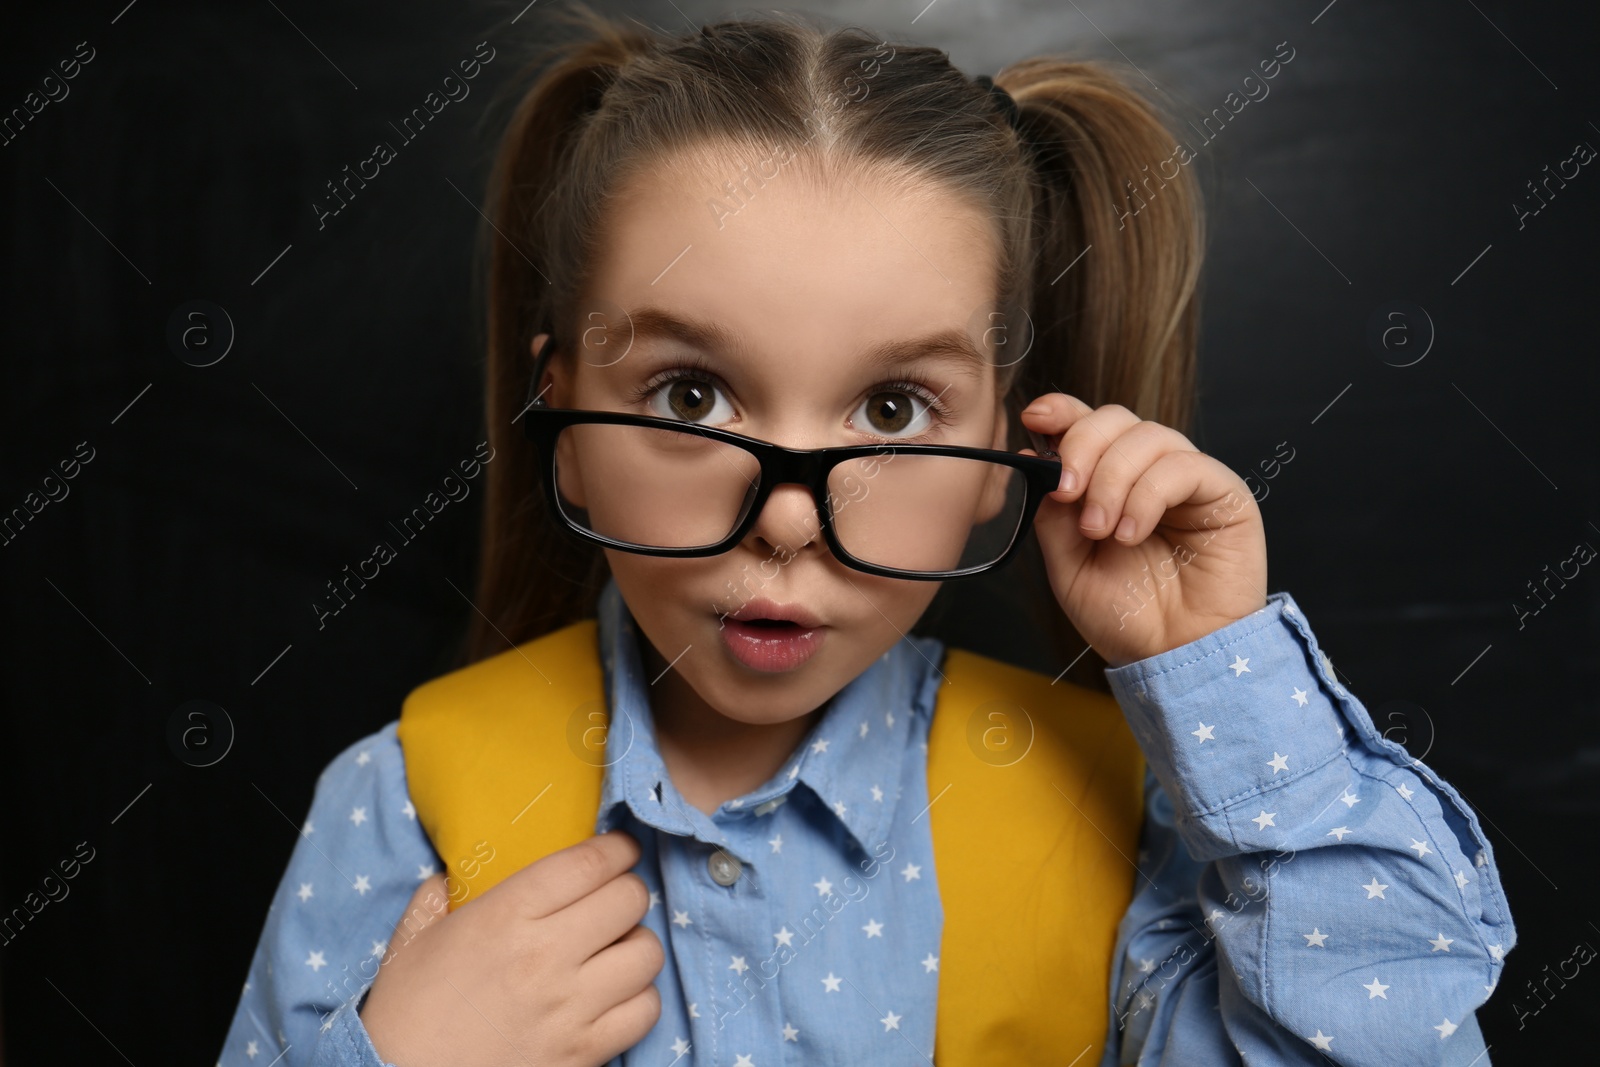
(1306, 892)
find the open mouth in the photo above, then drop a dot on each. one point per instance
(770, 644)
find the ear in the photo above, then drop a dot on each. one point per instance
(555, 389)
(552, 377)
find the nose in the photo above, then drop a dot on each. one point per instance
(788, 522)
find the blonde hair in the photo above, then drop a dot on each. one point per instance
(1107, 273)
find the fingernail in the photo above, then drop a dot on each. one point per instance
(1125, 528)
(1069, 480)
(1094, 517)
(1038, 407)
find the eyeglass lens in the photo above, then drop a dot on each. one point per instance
(659, 488)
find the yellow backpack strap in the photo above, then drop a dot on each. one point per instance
(504, 757)
(1036, 797)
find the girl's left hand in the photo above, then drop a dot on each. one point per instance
(1195, 557)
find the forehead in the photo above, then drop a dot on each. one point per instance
(807, 262)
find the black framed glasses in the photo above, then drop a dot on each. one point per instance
(666, 487)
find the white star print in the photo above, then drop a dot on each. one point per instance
(1497, 952)
(838, 808)
(694, 1010)
(1264, 820)
(1146, 966)
(794, 770)
(424, 870)
(1301, 698)
(1204, 733)
(1315, 938)
(890, 1022)
(655, 898)
(309, 829)
(738, 966)
(1461, 880)
(863, 728)
(380, 947)
(681, 918)
(911, 871)
(680, 1046)
(1421, 847)
(789, 1032)
(1322, 1041)
(1376, 989)
(408, 811)
(1277, 762)
(770, 806)
(874, 928)
(776, 841)
(820, 745)
(1339, 832)
(930, 963)
(877, 794)
(305, 892)
(316, 962)
(1445, 1029)
(251, 1050)
(364, 758)
(362, 884)
(824, 887)
(888, 718)
(1238, 666)
(743, 1060)
(358, 815)
(831, 983)
(1441, 943)
(1375, 890)
(785, 937)
(1350, 799)
(1403, 791)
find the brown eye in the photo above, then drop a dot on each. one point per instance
(890, 412)
(690, 400)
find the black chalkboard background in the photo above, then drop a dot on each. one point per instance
(209, 505)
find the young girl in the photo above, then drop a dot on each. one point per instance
(747, 296)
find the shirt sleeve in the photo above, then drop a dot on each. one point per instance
(1307, 891)
(360, 855)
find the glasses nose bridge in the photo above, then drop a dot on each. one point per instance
(796, 466)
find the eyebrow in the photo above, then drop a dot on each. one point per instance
(950, 346)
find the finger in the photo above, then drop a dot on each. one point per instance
(554, 882)
(1174, 479)
(1125, 462)
(1053, 414)
(621, 970)
(1084, 440)
(626, 1024)
(605, 915)
(427, 906)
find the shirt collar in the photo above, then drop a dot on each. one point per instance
(851, 759)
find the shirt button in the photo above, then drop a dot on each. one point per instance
(724, 867)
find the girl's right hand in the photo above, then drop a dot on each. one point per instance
(549, 967)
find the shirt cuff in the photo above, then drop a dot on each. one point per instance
(1218, 718)
(345, 1042)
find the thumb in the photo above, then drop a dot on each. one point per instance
(1061, 541)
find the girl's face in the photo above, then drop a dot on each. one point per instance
(802, 278)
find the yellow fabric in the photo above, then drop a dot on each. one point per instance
(1034, 836)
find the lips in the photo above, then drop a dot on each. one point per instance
(767, 636)
(761, 610)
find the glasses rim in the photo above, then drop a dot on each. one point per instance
(780, 465)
